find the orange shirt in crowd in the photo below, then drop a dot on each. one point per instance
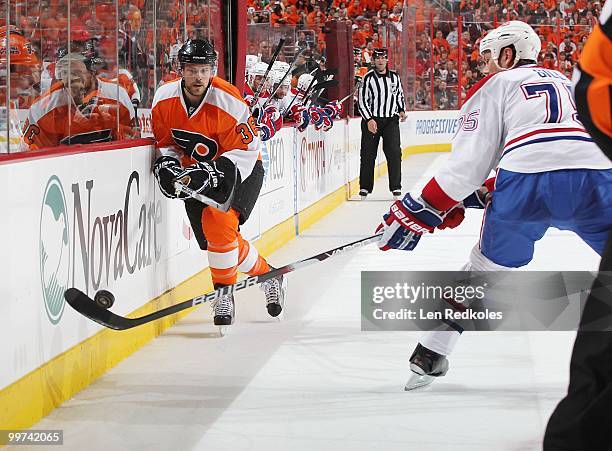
(293, 18)
(371, 5)
(275, 18)
(354, 11)
(359, 38)
(441, 43)
(550, 4)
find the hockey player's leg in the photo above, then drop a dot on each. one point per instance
(507, 241)
(253, 264)
(221, 231)
(429, 359)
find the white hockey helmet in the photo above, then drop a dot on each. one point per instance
(276, 76)
(519, 34)
(251, 60)
(280, 66)
(258, 69)
(304, 82)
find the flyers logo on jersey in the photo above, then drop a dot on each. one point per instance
(196, 145)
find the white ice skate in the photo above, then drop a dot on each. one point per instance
(275, 290)
(223, 307)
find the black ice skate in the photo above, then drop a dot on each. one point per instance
(223, 307)
(275, 290)
(426, 365)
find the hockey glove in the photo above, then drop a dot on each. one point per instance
(406, 221)
(269, 121)
(320, 118)
(478, 199)
(166, 169)
(482, 196)
(453, 218)
(215, 179)
(300, 116)
(334, 109)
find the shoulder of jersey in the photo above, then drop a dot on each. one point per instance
(221, 86)
(108, 88)
(53, 98)
(112, 89)
(168, 90)
(478, 86)
(504, 77)
(520, 73)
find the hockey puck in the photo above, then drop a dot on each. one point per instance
(104, 299)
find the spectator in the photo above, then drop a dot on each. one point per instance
(278, 17)
(452, 74)
(440, 43)
(443, 96)
(420, 96)
(567, 46)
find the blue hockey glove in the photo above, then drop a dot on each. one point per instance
(406, 221)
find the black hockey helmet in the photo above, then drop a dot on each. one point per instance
(380, 53)
(197, 51)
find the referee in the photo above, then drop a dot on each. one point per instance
(381, 105)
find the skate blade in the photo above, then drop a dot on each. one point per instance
(281, 317)
(418, 381)
(223, 330)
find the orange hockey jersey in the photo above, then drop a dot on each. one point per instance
(221, 125)
(593, 89)
(107, 114)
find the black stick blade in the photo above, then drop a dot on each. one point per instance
(90, 309)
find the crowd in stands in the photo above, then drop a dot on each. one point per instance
(445, 62)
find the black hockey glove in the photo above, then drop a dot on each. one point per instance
(214, 179)
(166, 169)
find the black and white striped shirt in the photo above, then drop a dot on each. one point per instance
(381, 95)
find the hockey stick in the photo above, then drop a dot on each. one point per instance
(317, 90)
(311, 89)
(291, 67)
(352, 93)
(277, 50)
(92, 310)
(224, 207)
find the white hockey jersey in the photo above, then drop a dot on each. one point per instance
(521, 120)
(282, 104)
